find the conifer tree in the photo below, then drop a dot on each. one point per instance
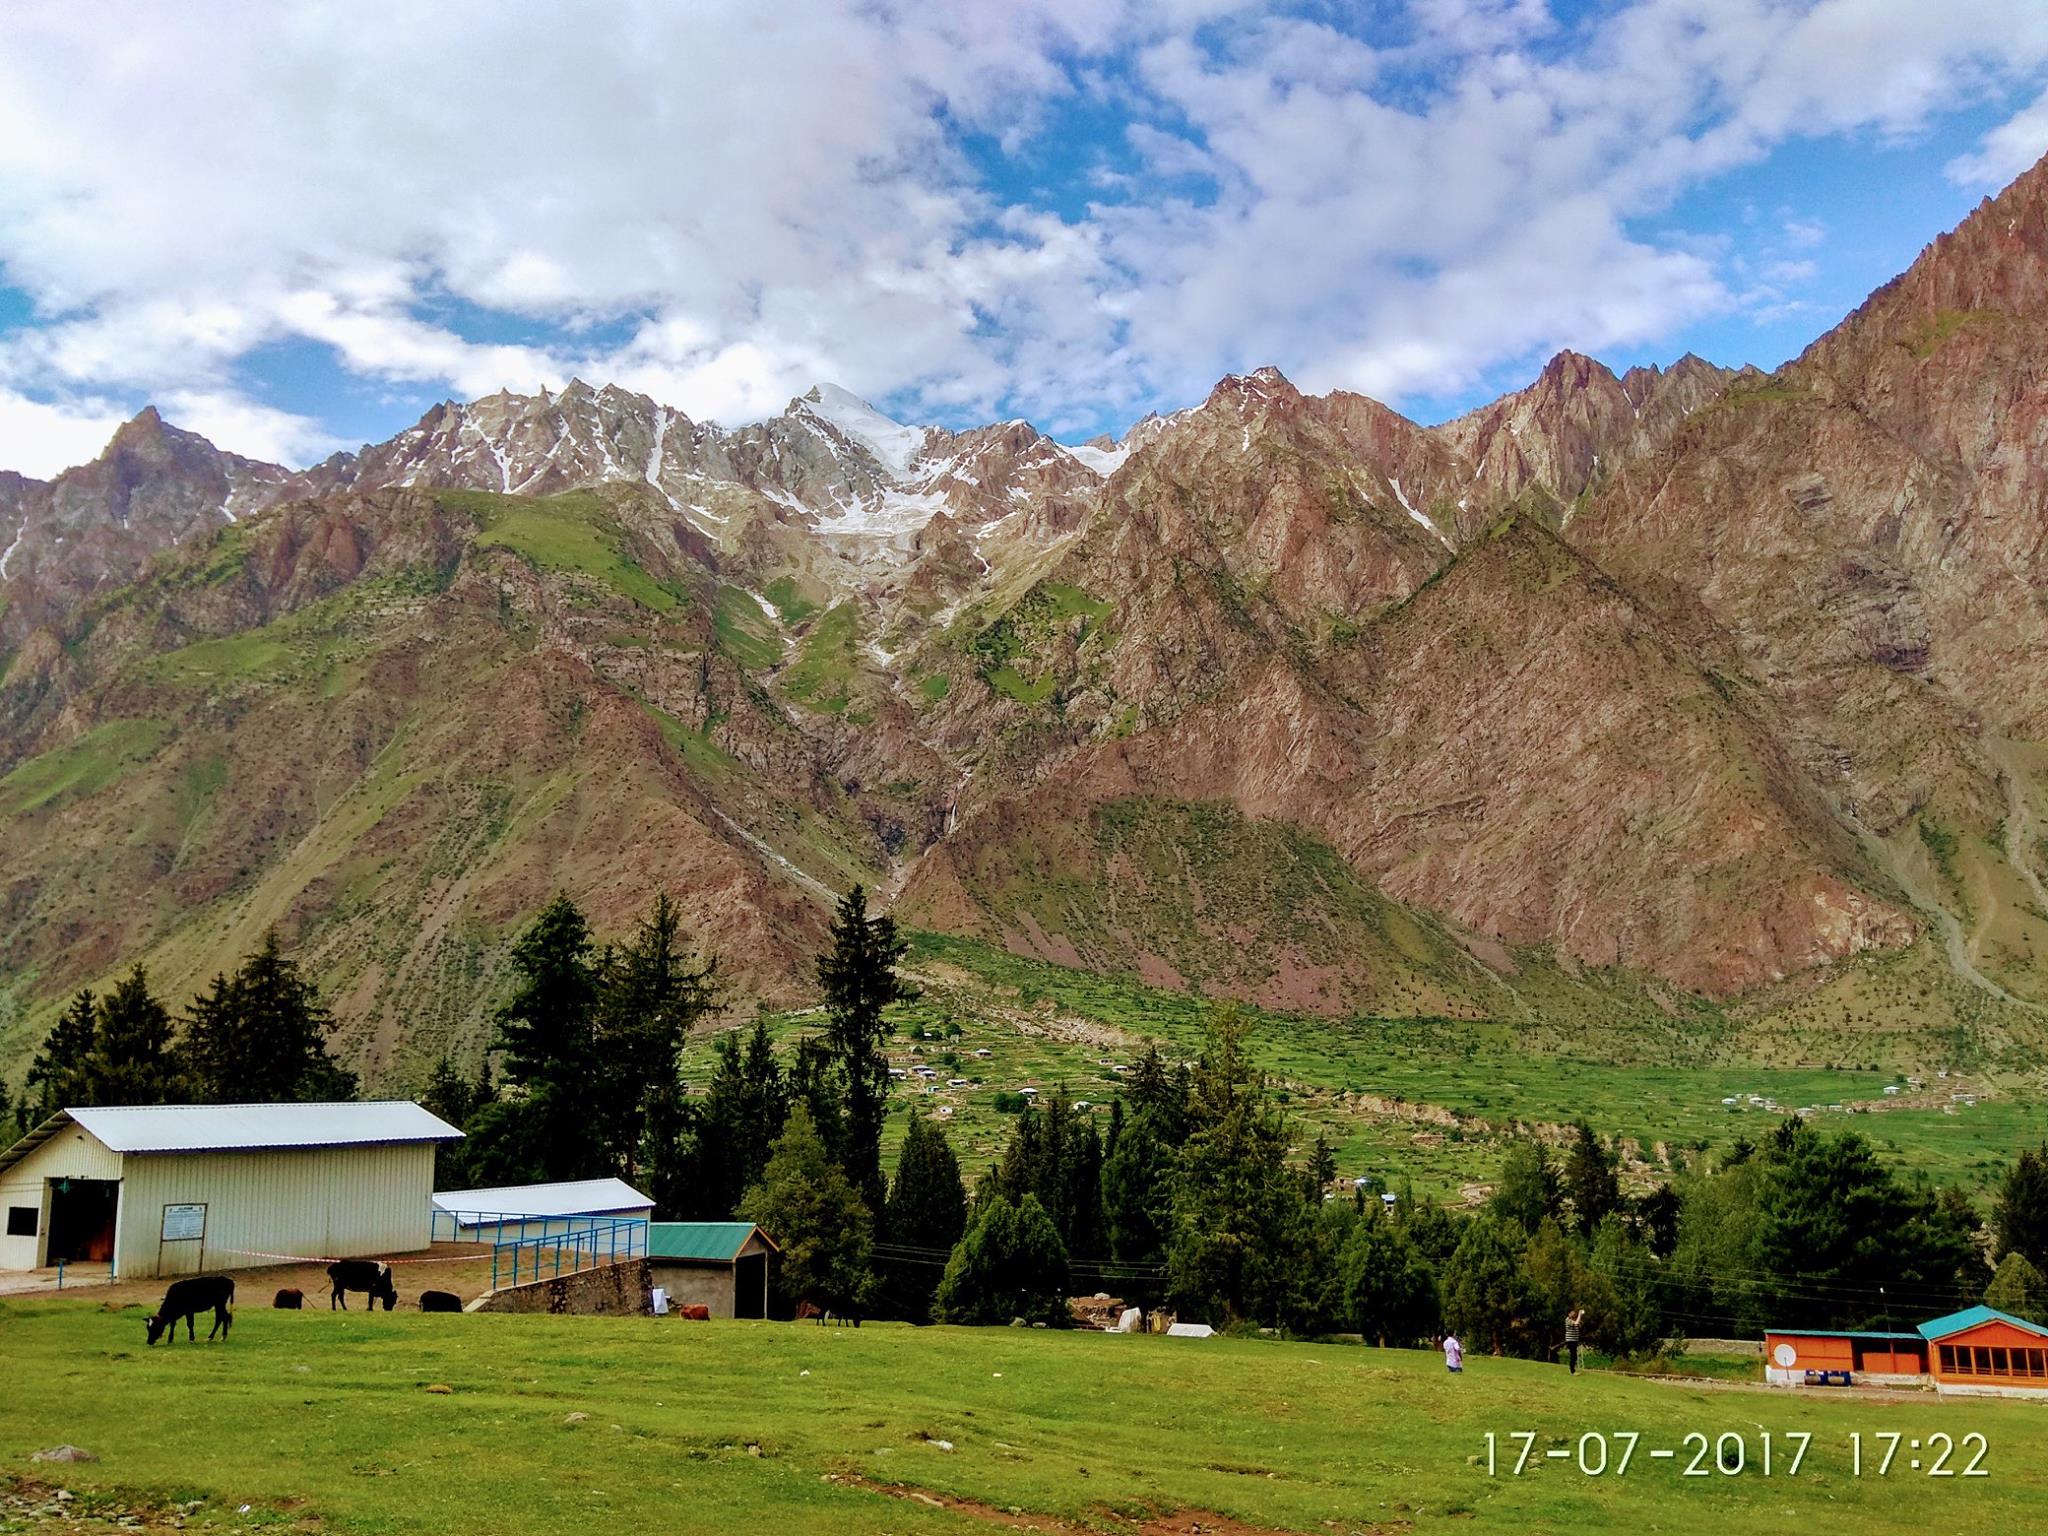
(1137, 1201)
(651, 997)
(1590, 1181)
(927, 1213)
(2019, 1289)
(805, 1202)
(732, 1130)
(2021, 1214)
(1010, 1264)
(1388, 1290)
(260, 1037)
(131, 1061)
(1238, 1214)
(548, 1031)
(858, 975)
(1485, 1296)
(57, 1077)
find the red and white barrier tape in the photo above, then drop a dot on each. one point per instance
(300, 1258)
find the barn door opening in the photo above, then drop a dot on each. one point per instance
(82, 1220)
(750, 1285)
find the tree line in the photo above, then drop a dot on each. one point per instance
(257, 1035)
(1194, 1190)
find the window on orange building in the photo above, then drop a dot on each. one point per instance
(1983, 1355)
(1948, 1358)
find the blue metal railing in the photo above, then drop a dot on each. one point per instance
(527, 1248)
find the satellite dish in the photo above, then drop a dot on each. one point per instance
(1785, 1355)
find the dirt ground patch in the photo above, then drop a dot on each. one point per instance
(1179, 1522)
(41, 1508)
(464, 1268)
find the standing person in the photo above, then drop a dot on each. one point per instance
(1454, 1354)
(1572, 1319)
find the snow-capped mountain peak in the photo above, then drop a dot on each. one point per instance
(894, 445)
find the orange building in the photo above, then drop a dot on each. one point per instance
(1979, 1351)
(1805, 1357)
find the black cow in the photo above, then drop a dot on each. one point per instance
(187, 1299)
(440, 1301)
(370, 1275)
(290, 1299)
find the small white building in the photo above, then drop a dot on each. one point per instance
(515, 1212)
(173, 1189)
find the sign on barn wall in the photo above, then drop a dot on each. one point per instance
(184, 1223)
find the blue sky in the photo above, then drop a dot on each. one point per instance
(1075, 212)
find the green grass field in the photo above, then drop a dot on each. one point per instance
(741, 1428)
(1375, 1086)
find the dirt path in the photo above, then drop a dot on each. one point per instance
(464, 1268)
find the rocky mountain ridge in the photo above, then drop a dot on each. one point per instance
(1676, 688)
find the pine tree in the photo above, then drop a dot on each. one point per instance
(1625, 1317)
(732, 1130)
(1485, 1296)
(1528, 1190)
(650, 999)
(1238, 1215)
(927, 1211)
(2021, 1214)
(807, 1205)
(1010, 1264)
(858, 975)
(548, 1031)
(2019, 1289)
(57, 1077)
(260, 1037)
(1137, 1202)
(1590, 1181)
(1388, 1289)
(131, 1061)
(454, 1100)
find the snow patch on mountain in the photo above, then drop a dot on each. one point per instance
(894, 445)
(1104, 461)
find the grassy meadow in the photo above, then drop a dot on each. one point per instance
(1435, 1101)
(741, 1428)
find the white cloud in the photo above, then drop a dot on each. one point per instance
(2006, 150)
(251, 429)
(40, 439)
(723, 202)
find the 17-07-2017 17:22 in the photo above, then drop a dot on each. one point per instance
(1731, 1453)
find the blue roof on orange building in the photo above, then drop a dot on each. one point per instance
(1972, 1317)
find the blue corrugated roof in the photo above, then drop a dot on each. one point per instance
(1971, 1317)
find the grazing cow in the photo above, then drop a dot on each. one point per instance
(187, 1299)
(290, 1299)
(440, 1301)
(694, 1312)
(806, 1310)
(370, 1275)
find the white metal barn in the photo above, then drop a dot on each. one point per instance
(172, 1189)
(515, 1212)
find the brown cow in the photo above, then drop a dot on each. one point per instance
(694, 1312)
(290, 1299)
(806, 1310)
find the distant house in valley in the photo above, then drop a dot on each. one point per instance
(722, 1265)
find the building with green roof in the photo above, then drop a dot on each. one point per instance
(720, 1265)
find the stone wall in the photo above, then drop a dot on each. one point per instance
(611, 1289)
